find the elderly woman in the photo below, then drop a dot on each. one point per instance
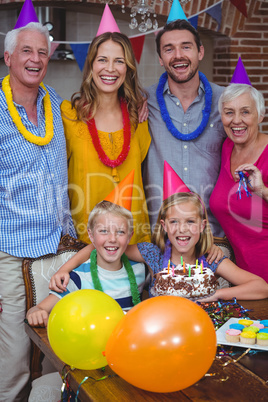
(244, 217)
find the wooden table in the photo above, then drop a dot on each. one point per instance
(247, 379)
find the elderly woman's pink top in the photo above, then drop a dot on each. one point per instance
(245, 220)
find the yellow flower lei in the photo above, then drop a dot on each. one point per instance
(17, 119)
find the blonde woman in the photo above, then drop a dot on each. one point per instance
(104, 138)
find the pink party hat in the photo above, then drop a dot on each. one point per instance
(108, 23)
(27, 15)
(172, 183)
(240, 75)
(176, 12)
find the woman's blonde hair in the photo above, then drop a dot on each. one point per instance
(160, 237)
(86, 100)
(107, 207)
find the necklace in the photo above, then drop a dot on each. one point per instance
(126, 145)
(17, 119)
(165, 115)
(131, 276)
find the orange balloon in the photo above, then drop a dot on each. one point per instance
(163, 344)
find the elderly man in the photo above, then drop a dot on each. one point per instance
(34, 205)
(184, 121)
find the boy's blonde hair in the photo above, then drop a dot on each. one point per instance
(106, 207)
(159, 236)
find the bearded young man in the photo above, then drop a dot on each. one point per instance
(184, 121)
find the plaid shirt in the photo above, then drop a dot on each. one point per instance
(34, 204)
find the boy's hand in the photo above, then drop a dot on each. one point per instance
(215, 254)
(37, 317)
(59, 281)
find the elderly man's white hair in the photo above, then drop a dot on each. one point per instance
(234, 90)
(11, 38)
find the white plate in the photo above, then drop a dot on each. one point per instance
(222, 341)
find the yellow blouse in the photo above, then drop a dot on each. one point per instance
(90, 181)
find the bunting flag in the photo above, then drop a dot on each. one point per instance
(80, 53)
(241, 6)
(215, 13)
(194, 21)
(53, 48)
(137, 45)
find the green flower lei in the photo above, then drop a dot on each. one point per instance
(131, 276)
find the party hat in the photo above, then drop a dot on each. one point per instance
(176, 12)
(108, 23)
(240, 75)
(172, 183)
(122, 193)
(27, 15)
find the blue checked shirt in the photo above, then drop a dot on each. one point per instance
(34, 204)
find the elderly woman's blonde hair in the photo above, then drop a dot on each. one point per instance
(233, 91)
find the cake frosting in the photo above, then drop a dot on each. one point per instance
(190, 282)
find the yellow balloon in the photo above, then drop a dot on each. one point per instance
(80, 325)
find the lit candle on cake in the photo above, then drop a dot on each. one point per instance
(181, 261)
(173, 273)
(184, 270)
(189, 270)
(168, 267)
(201, 266)
(196, 263)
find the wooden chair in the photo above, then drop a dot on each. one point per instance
(37, 273)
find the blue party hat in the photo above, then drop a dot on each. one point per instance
(176, 12)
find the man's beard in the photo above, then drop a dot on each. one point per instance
(177, 79)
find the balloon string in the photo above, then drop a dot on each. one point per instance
(92, 378)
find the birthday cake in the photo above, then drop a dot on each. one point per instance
(186, 281)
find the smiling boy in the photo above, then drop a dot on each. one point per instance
(110, 228)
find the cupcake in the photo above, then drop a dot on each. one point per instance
(264, 330)
(232, 335)
(264, 322)
(251, 328)
(258, 325)
(235, 325)
(248, 337)
(262, 339)
(246, 323)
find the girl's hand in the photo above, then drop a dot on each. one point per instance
(215, 254)
(37, 317)
(59, 281)
(209, 298)
(255, 177)
(143, 112)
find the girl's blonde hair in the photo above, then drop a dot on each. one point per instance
(107, 207)
(159, 236)
(86, 101)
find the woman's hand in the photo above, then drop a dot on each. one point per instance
(215, 254)
(255, 179)
(59, 281)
